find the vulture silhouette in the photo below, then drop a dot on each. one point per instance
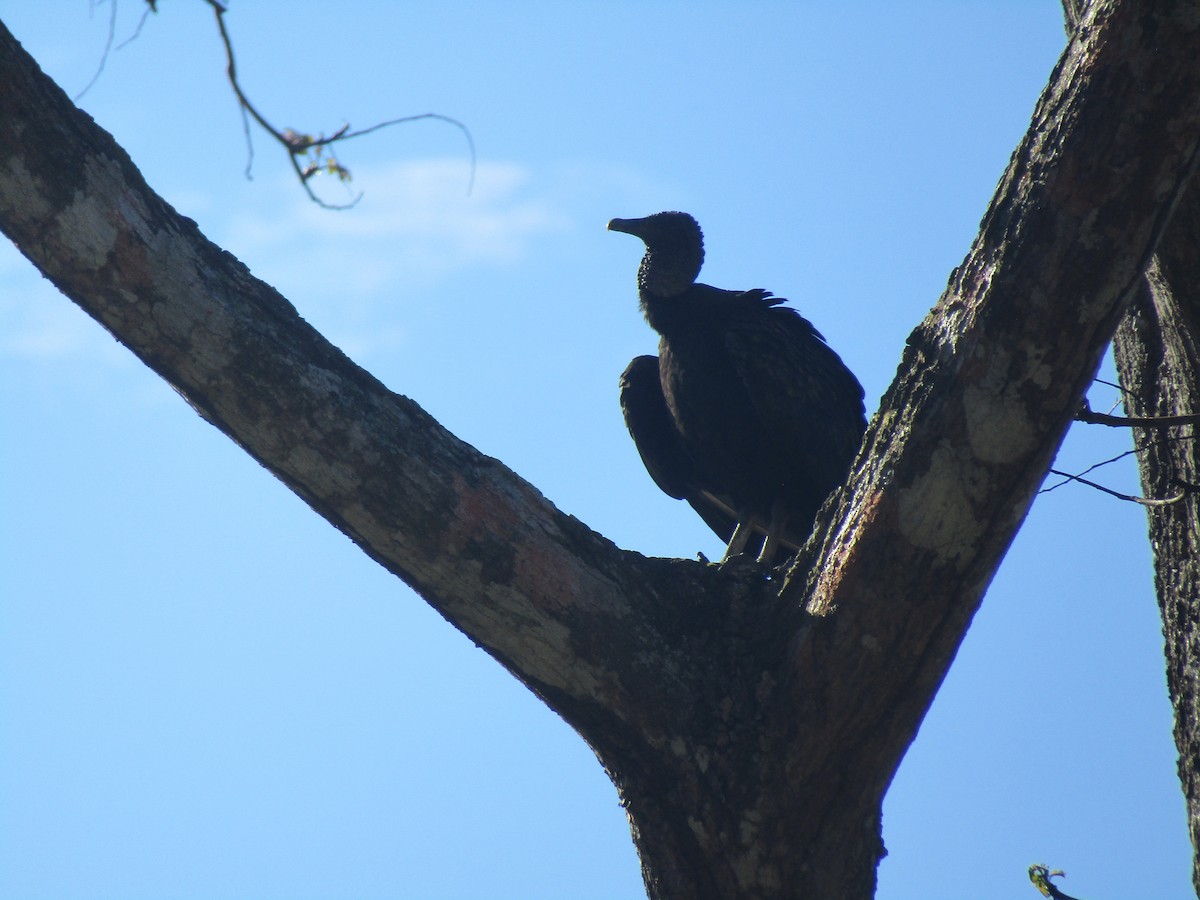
(746, 413)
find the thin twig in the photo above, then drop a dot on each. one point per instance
(108, 46)
(1111, 384)
(298, 145)
(1067, 478)
(466, 133)
(1144, 501)
(1086, 415)
(150, 8)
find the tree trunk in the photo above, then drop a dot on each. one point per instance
(1157, 351)
(750, 723)
(1157, 356)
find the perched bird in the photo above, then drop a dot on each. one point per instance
(746, 413)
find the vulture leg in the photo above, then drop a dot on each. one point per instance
(737, 543)
(776, 547)
(772, 542)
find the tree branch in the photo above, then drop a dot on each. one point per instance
(1087, 416)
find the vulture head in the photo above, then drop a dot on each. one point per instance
(674, 251)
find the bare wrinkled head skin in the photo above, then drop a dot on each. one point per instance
(674, 251)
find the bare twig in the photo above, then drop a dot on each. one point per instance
(308, 154)
(315, 151)
(1111, 384)
(1144, 501)
(1089, 417)
(150, 8)
(108, 46)
(1068, 478)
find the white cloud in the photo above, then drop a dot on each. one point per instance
(416, 222)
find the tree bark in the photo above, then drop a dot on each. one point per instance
(1157, 352)
(751, 724)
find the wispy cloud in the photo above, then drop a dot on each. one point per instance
(416, 222)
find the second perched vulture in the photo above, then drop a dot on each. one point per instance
(747, 413)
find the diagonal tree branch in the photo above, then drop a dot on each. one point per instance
(993, 377)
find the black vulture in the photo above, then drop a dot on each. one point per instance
(746, 413)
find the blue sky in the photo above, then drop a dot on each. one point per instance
(207, 691)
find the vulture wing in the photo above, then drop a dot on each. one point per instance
(658, 443)
(808, 404)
